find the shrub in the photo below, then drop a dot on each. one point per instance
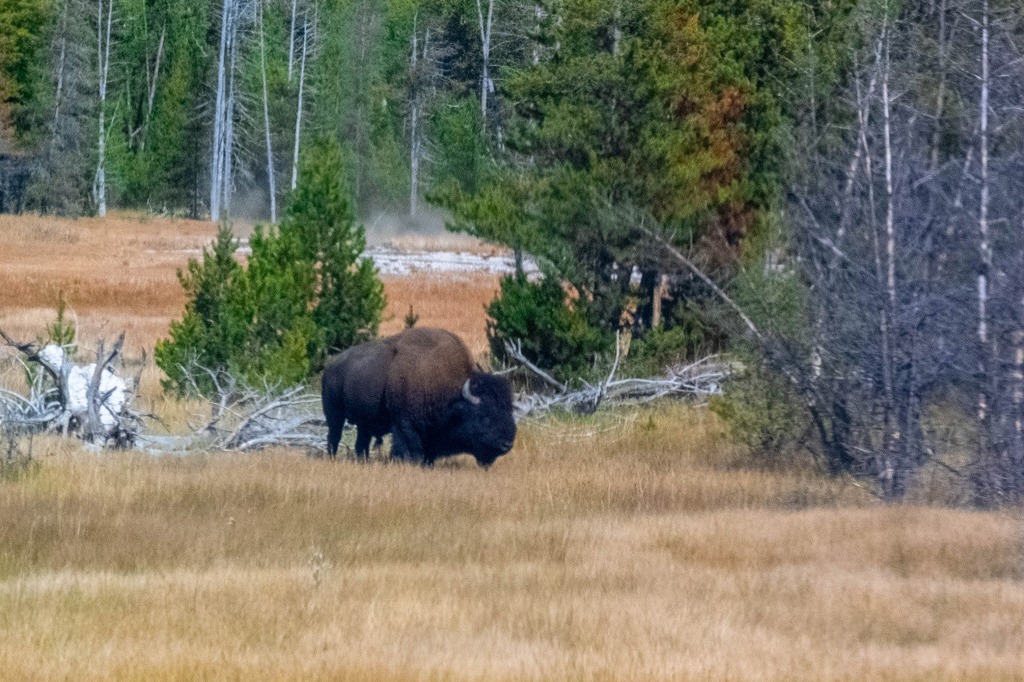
(658, 349)
(304, 292)
(763, 411)
(555, 333)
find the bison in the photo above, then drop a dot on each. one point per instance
(421, 387)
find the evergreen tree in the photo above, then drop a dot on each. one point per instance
(655, 109)
(319, 223)
(305, 291)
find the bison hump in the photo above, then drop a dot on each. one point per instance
(427, 372)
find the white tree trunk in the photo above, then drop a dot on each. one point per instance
(216, 152)
(485, 47)
(890, 203)
(291, 43)
(266, 123)
(892, 435)
(414, 156)
(103, 65)
(229, 116)
(156, 73)
(298, 113)
(984, 246)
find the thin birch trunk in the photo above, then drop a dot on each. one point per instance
(266, 123)
(103, 63)
(217, 151)
(291, 42)
(414, 160)
(485, 47)
(892, 435)
(229, 116)
(984, 247)
(298, 114)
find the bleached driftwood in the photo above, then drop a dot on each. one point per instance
(702, 378)
(247, 418)
(88, 401)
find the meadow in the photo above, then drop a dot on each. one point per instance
(634, 545)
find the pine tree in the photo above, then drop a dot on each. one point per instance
(349, 297)
(304, 293)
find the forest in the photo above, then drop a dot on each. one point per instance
(830, 191)
(745, 279)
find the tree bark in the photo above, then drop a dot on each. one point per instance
(485, 48)
(298, 113)
(266, 123)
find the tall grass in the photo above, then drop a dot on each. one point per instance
(118, 273)
(636, 546)
(630, 547)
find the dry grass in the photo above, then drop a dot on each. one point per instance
(118, 273)
(456, 304)
(444, 241)
(632, 548)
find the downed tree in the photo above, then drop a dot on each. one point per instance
(91, 401)
(702, 378)
(248, 418)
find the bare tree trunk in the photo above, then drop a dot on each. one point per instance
(103, 66)
(984, 247)
(538, 14)
(298, 114)
(216, 154)
(291, 42)
(414, 142)
(940, 97)
(156, 73)
(485, 47)
(58, 97)
(229, 116)
(266, 123)
(892, 436)
(617, 29)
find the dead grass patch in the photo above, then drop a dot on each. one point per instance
(617, 548)
(119, 273)
(635, 546)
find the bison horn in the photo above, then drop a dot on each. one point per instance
(468, 394)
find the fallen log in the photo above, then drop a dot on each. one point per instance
(91, 402)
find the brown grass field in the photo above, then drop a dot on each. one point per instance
(636, 545)
(118, 273)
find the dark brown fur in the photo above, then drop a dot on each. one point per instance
(411, 385)
(427, 372)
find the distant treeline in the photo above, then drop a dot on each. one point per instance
(190, 106)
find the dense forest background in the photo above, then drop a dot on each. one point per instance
(832, 190)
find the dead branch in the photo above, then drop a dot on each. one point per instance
(701, 379)
(515, 351)
(246, 418)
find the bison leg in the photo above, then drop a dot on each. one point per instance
(333, 438)
(363, 438)
(406, 444)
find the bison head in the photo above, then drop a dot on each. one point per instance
(484, 425)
